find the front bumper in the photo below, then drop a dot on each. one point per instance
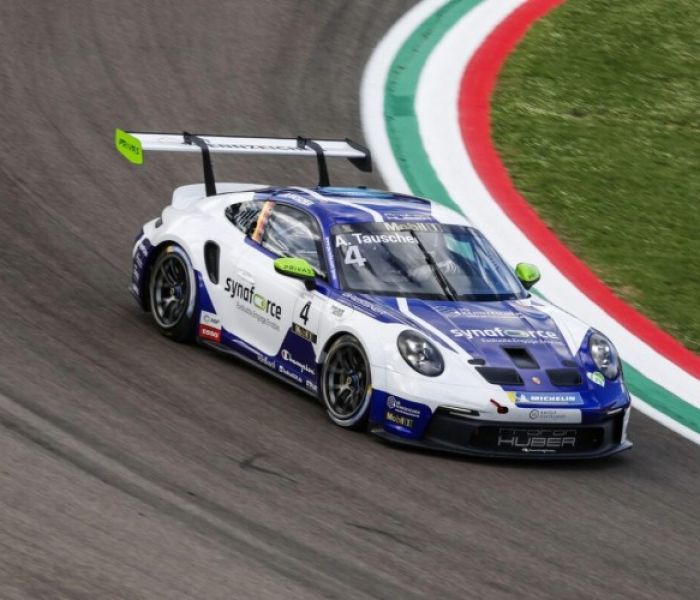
(497, 439)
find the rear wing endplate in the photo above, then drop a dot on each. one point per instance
(132, 145)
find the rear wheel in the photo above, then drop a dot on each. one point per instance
(173, 293)
(346, 383)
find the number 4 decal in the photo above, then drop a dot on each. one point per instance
(353, 257)
(304, 314)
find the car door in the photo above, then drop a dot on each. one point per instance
(279, 316)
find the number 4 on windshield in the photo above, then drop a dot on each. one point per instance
(353, 257)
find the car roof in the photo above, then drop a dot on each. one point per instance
(351, 205)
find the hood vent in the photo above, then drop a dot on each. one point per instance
(499, 376)
(564, 377)
(521, 358)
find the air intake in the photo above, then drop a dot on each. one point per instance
(521, 358)
(211, 259)
(564, 377)
(500, 376)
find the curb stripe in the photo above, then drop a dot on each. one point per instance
(391, 125)
(399, 106)
(477, 86)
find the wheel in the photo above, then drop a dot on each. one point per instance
(346, 383)
(172, 292)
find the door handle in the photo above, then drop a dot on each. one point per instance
(245, 276)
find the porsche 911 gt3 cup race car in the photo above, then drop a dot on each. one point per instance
(392, 310)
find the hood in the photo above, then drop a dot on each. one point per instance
(504, 339)
(485, 330)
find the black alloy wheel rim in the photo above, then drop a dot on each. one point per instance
(170, 291)
(346, 381)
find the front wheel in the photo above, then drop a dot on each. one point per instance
(346, 383)
(172, 293)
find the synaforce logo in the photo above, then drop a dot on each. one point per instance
(249, 296)
(500, 333)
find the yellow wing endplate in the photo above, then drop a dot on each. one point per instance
(128, 146)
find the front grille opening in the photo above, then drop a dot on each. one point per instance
(521, 358)
(500, 376)
(564, 377)
(516, 439)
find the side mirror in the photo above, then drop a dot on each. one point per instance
(528, 274)
(298, 268)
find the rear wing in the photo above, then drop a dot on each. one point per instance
(132, 145)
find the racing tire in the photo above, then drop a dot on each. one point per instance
(173, 293)
(346, 383)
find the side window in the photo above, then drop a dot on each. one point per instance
(293, 232)
(244, 215)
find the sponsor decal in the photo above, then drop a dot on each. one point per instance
(254, 147)
(296, 198)
(331, 262)
(304, 333)
(395, 227)
(536, 380)
(247, 299)
(402, 413)
(268, 362)
(337, 311)
(597, 377)
(552, 398)
(289, 357)
(209, 333)
(553, 415)
(537, 439)
(404, 216)
(399, 420)
(476, 314)
(428, 227)
(311, 385)
(210, 319)
(139, 262)
(499, 334)
(128, 146)
(395, 404)
(290, 374)
(357, 301)
(209, 327)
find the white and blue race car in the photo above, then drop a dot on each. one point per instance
(392, 310)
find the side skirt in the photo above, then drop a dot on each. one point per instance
(260, 366)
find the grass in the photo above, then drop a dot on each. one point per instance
(597, 117)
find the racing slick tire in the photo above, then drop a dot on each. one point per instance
(346, 383)
(172, 293)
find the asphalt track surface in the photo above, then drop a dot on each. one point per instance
(133, 467)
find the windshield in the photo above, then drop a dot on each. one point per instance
(423, 260)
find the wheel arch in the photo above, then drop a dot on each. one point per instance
(156, 251)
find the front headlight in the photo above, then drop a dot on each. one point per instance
(420, 354)
(604, 355)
